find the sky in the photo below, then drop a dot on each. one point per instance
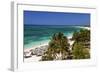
(55, 18)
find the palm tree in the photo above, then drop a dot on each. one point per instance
(58, 47)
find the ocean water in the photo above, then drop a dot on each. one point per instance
(39, 34)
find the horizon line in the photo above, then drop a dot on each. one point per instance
(57, 25)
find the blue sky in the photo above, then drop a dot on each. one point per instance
(55, 18)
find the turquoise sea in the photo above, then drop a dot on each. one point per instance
(39, 34)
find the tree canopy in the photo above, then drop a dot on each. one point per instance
(58, 48)
(81, 46)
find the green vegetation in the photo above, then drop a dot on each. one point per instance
(79, 52)
(81, 46)
(59, 47)
(82, 36)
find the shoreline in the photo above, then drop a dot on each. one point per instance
(36, 46)
(37, 49)
(46, 43)
(35, 58)
(88, 28)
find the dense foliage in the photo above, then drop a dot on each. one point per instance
(82, 36)
(81, 46)
(59, 47)
(80, 52)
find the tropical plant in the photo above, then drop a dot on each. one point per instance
(81, 46)
(79, 52)
(58, 48)
(81, 36)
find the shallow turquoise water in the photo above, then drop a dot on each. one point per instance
(39, 34)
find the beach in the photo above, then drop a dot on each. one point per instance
(51, 35)
(33, 58)
(36, 58)
(88, 28)
(34, 53)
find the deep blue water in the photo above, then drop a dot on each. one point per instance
(39, 34)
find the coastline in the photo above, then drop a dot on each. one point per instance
(88, 28)
(35, 58)
(44, 44)
(36, 46)
(40, 47)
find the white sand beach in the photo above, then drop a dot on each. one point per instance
(71, 42)
(36, 46)
(40, 47)
(35, 58)
(88, 28)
